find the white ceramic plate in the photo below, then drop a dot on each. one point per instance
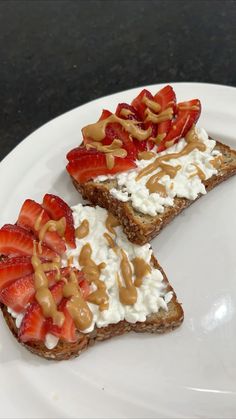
(188, 373)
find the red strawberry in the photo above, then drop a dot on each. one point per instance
(116, 131)
(28, 216)
(78, 152)
(167, 99)
(88, 167)
(105, 114)
(132, 115)
(139, 105)
(57, 209)
(19, 293)
(57, 291)
(14, 268)
(18, 229)
(33, 326)
(68, 331)
(15, 241)
(187, 115)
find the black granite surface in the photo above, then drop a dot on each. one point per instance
(56, 55)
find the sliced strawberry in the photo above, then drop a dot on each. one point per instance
(33, 326)
(19, 293)
(57, 291)
(139, 105)
(14, 268)
(167, 99)
(15, 241)
(57, 209)
(68, 331)
(18, 229)
(78, 152)
(88, 167)
(29, 214)
(116, 131)
(105, 114)
(85, 288)
(187, 115)
(133, 115)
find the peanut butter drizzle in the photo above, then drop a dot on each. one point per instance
(97, 131)
(141, 269)
(83, 230)
(43, 294)
(92, 273)
(216, 162)
(52, 225)
(166, 115)
(154, 186)
(186, 150)
(154, 106)
(198, 172)
(146, 155)
(126, 112)
(111, 151)
(158, 139)
(77, 306)
(111, 222)
(128, 293)
(110, 242)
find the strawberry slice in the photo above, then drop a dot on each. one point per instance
(105, 114)
(29, 214)
(167, 99)
(68, 331)
(18, 229)
(139, 105)
(78, 152)
(187, 115)
(13, 268)
(57, 291)
(133, 115)
(19, 293)
(33, 326)
(88, 167)
(116, 131)
(15, 241)
(57, 209)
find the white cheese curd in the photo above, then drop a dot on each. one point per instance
(182, 186)
(151, 295)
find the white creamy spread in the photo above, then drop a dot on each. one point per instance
(181, 186)
(151, 294)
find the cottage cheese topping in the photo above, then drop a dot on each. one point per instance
(151, 294)
(183, 185)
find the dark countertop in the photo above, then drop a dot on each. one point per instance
(56, 55)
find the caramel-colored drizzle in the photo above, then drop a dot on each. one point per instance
(83, 230)
(125, 112)
(154, 106)
(165, 115)
(77, 306)
(110, 241)
(52, 225)
(111, 151)
(128, 293)
(146, 155)
(43, 295)
(111, 222)
(97, 131)
(158, 139)
(141, 269)
(198, 172)
(152, 184)
(92, 273)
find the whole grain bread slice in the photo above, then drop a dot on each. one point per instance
(160, 322)
(141, 228)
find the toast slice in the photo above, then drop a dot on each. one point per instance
(160, 322)
(141, 228)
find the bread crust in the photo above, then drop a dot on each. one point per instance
(140, 228)
(160, 322)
